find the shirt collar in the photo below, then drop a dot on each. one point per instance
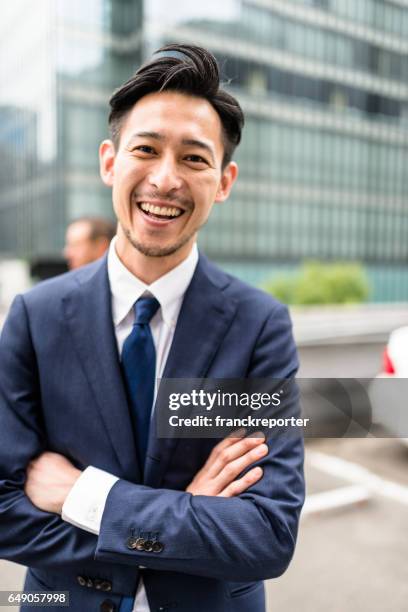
(169, 289)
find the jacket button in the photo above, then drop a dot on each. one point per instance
(131, 543)
(81, 580)
(108, 606)
(157, 547)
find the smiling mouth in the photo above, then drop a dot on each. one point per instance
(159, 212)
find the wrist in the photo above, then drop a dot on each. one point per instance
(67, 487)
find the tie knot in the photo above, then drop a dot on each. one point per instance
(145, 308)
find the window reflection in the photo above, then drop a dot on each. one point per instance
(324, 157)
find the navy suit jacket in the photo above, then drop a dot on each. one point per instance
(61, 389)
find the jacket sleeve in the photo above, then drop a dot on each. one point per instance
(250, 537)
(27, 535)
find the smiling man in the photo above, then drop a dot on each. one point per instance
(90, 499)
(165, 177)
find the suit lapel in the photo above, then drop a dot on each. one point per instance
(89, 317)
(204, 318)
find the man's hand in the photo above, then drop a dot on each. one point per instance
(50, 477)
(228, 459)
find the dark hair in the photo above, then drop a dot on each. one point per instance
(187, 69)
(99, 227)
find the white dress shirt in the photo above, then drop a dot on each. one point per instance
(86, 501)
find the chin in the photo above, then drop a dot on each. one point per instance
(151, 249)
(155, 250)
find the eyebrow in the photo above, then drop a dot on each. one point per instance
(185, 141)
(154, 135)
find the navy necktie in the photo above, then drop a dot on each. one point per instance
(139, 368)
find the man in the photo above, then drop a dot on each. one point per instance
(86, 240)
(110, 512)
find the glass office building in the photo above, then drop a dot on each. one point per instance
(56, 80)
(324, 156)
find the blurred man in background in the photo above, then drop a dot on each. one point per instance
(87, 239)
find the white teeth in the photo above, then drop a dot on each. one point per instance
(162, 211)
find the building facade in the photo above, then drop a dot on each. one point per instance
(324, 157)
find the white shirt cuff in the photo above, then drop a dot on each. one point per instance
(86, 501)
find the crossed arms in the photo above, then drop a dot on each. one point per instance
(220, 527)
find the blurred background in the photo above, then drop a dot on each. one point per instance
(319, 216)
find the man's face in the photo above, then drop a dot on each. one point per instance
(79, 248)
(166, 174)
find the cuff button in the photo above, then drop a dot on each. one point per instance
(106, 586)
(157, 547)
(148, 546)
(140, 544)
(81, 580)
(131, 543)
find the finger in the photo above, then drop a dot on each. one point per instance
(226, 455)
(234, 468)
(232, 438)
(242, 484)
(220, 447)
(238, 433)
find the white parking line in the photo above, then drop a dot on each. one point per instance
(358, 475)
(335, 499)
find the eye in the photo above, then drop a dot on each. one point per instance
(196, 159)
(144, 149)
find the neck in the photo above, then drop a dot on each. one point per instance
(146, 268)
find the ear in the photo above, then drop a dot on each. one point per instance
(107, 162)
(228, 178)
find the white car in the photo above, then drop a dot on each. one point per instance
(389, 390)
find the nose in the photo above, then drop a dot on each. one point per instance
(164, 176)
